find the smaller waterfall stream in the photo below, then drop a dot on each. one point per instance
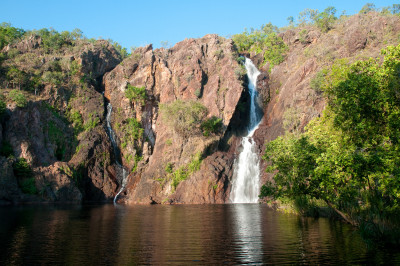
(246, 178)
(121, 171)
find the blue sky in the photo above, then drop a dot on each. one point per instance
(137, 23)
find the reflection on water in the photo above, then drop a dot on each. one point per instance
(195, 234)
(248, 232)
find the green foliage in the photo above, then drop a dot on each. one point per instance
(56, 136)
(168, 142)
(395, 9)
(212, 125)
(137, 94)
(91, 123)
(198, 93)
(133, 130)
(303, 36)
(317, 81)
(6, 149)
(121, 50)
(326, 19)
(137, 160)
(17, 97)
(265, 40)
(185, 117)
(368, 7)
(16, 76)
(53, 77)
(28, 186)
(307, 16)
(9, 34)
(240, 71)
(169, 168)
(350, 157)
(77, 122)
(22, 169)
(52, 40)
(3, 107)
(185, 171)
(74, 68)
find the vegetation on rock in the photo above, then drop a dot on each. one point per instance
(349, 157)
(265, 40)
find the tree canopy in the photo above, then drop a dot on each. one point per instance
(350, 157)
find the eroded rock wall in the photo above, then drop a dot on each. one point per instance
(203, 70)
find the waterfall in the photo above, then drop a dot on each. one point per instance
(246, 177)
(120, 170)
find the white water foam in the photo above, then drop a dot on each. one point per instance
(246, 177)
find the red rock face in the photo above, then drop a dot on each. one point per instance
(194, 69)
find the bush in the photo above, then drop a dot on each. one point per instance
(91, 123)
(6, 149)
(22, 169)
(317, 81)
(28, 186)
(3, 107)
(77, 122)
(137, 94)
(17, 97)
(212, 125)
(133, 130)
(169, 168)
(185, 117)
(183, 172)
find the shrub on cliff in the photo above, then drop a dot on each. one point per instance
(17, 97)
(185, 117)
(211, 126)
(3, 107)
(137, 94)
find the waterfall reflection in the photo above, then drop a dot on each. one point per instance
(248, 233)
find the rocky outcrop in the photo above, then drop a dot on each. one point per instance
(204, 70)
(56, 184)
(61, 131)
(291, 97)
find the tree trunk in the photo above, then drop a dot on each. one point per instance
(344, 216)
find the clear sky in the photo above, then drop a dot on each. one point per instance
(137, 23)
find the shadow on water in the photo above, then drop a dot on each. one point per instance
(190, 234)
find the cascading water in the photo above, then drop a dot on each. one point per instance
(245, 186)
(121, 171)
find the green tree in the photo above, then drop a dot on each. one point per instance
(326, 19)
(368, 7)
(9, 34)
(16, 76)
(17, 97)
(137, 94)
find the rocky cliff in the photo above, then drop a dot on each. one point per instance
(201, 70)
(59, 131)
(172, 156)
(292, 102)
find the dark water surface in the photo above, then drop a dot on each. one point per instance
(183, 234)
